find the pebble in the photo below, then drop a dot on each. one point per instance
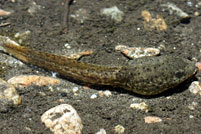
(4, 13)
(93, 96)
(137, 52)
(62, 119)
(152, 119)
(8, 96)
(191, 116)
(173, 9)
(75, 89)
(114, 13)
(80, 15)
(151, 23)
(102, 131)
(22, 81)
(33, 8)
(198, 64)
(196, 13)
(78, 55)
(106, 93)
(193, 105)
(67, 45)
(22, 36)
(195, 87)
(140, 106)
(119, 129)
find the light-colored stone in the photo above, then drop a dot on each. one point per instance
(106, 93)
(93, 96)
(8, 96)
(63, 119)
(81, 15)
(137, 52)
(140, 106)
(119, 129)
(114, 13)
(151, 23)
(4, 13)
(195, 87)
(102, 131)
(22, 81)
(152, 119)
(173, 9)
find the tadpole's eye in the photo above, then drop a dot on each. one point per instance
(179, 74)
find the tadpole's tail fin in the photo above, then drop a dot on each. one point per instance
(13, 48)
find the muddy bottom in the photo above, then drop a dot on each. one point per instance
(89, 30)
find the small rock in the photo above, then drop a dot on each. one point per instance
(173, 9)
(191, 116)
(196, 13)
(193, 105)
(114, 13)
(152, 119)
(22, 36)
(198, 64)
(67, 45)
(75, 89)
(33, 8)
(140, 106)
(102, 131)
(22, 81)
(153, 23)
(80, 15)
(62, 119)
(106, 93)
(4, 13)
(137, 52)
(78, 55)
(93, 96)
(119, 129)
(8, 96)
(195, 87)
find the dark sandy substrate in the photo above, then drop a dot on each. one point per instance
(101, 34)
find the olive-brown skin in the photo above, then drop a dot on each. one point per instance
(145, 76)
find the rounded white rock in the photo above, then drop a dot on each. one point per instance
(62, 119)
(8, 96)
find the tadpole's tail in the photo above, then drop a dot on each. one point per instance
(89, 73)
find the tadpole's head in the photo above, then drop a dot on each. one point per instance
(185, 69)
(157, 74)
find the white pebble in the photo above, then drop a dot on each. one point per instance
(195, 87)
(191, 116)
(54, 74)
(75, 89)
(119, 129)
(62, 119)
(114, 13)
(106, 93)
(67, 45)
(189, 3)
(102, 131)
(93, 96)
(174, 9)
(8, 96)
(140, 106)
(137, 52)
(193, 105)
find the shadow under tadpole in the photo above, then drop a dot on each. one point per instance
(178, 89)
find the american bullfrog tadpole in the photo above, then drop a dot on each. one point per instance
(145, 76)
